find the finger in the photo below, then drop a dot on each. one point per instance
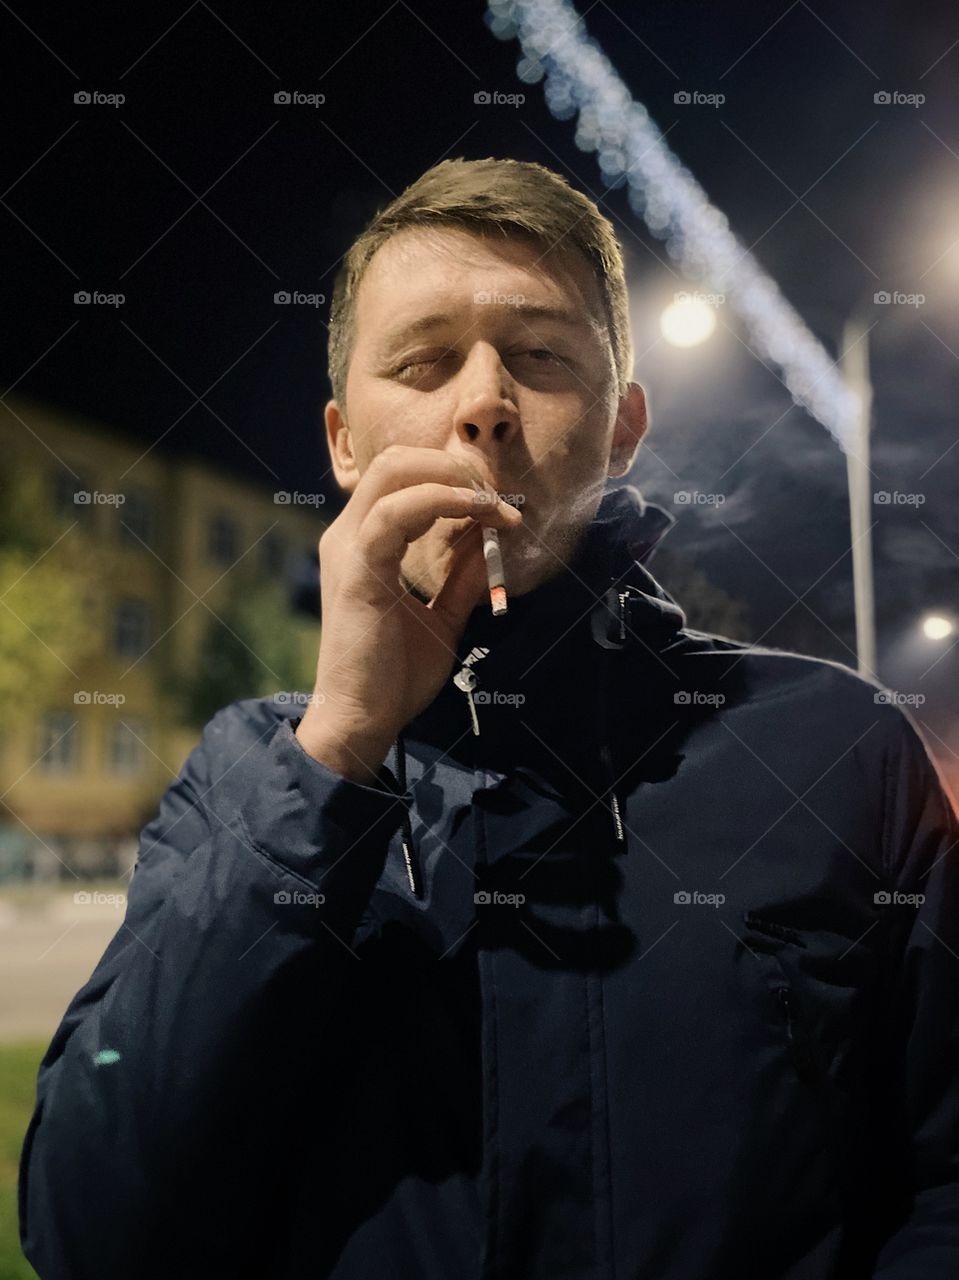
(466, 585)
(399, 518)
(400, 466)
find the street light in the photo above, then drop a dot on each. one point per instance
(937, 627)
(687, 322)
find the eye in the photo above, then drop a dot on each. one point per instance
(422, 363)
(543, 356)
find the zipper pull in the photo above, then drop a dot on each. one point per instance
(617, 818)
(623, 597)
(410, 869)
(465, 679)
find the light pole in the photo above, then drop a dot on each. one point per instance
(855, 365)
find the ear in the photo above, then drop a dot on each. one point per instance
(340, 444)
(632, 422)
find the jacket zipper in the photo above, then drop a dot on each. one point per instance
(619, 833)
(466, 681)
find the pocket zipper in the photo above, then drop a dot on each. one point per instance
(799, 1048)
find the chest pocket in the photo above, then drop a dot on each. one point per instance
(817, 992)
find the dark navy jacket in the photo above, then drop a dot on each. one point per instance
(657, 979)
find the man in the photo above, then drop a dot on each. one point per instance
(569, 943)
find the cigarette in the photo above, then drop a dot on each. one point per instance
(494, 571)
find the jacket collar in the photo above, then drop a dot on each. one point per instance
(604, 595)
(608, 564)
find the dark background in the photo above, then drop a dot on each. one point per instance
(199, 197)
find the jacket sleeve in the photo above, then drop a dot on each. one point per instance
(922, 857)
(187, 1067)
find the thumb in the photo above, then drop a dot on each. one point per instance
(465, 585)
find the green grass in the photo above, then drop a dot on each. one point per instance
(18, 1074)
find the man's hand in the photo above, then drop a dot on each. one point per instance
(384, 655)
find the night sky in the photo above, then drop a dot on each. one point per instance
(198, 198)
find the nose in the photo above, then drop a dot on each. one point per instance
(486, 412)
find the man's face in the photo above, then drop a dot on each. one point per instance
(485, 348)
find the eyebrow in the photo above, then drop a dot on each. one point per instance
(526, 310)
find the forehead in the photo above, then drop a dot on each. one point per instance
(424, 271)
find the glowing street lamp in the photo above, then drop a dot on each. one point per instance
(937, 627)
(687, 322)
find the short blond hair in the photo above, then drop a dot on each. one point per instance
(515, 196)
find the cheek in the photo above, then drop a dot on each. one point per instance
(388, 421)
(573, 442)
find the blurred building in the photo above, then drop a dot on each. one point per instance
(172, 544)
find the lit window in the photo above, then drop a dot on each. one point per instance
(59, 745)
(131, 628)
(222, 539)
(272, 553)
(136, 517)
(72, 495)
(126, 746)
